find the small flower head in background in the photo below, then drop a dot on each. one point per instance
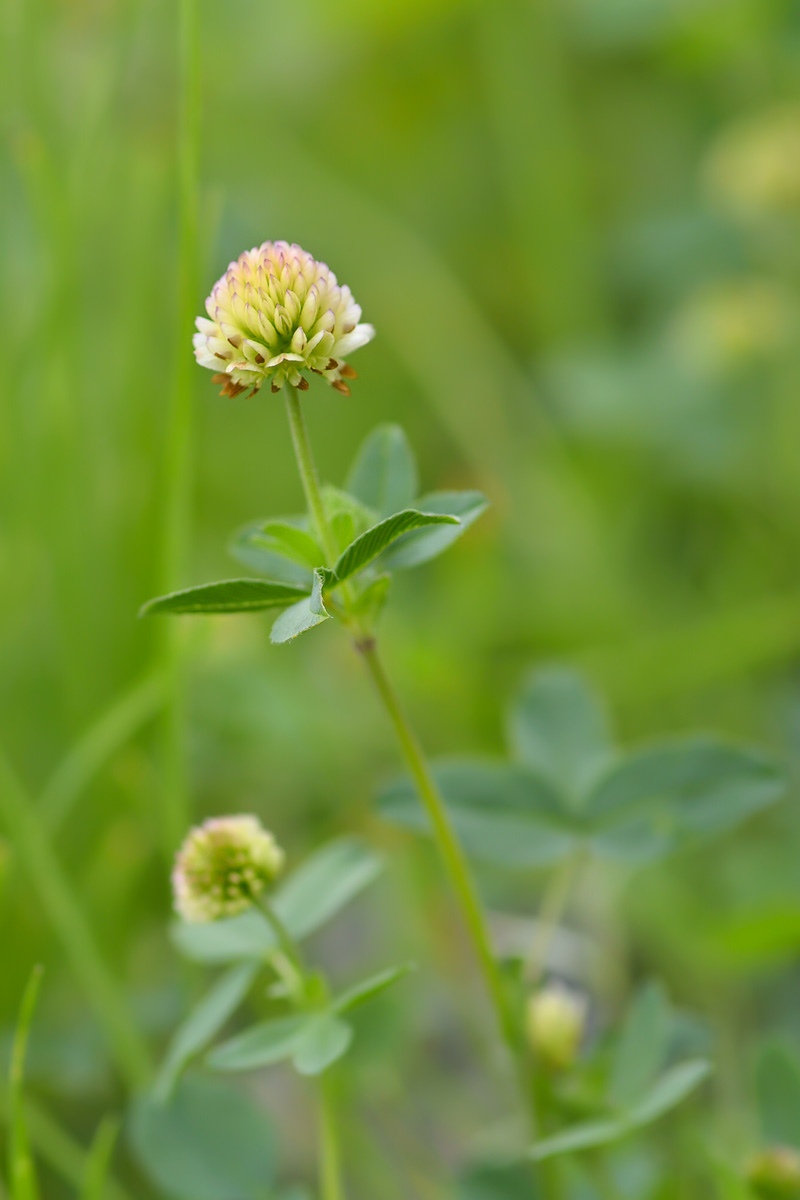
(754, 168)
(275, 314)
(222, 867)
(556, 1023)
(774, 1173)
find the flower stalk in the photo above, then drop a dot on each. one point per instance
(453, 857)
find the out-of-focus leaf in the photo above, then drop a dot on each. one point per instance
(369, 989)
(501, 812)
(642, 1045)
(209, 1142)
(666, 1093)
(324, 884)
(227, 596)
(261, 1045)
(702, 785)
(420, 545)
(291, 539)
(369, 604)
(206, 1019)
(369, 545)
(324, 1039)
(384, 474)
(498, 1181)
(248, 548)
(778, 1092)
(311, 896)
(247, 935)
(559, 728)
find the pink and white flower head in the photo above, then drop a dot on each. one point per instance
(275, 314)
(223, 866)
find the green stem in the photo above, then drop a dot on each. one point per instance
(330, 1164)
(308, 475)
(456, 866)
(453, 857)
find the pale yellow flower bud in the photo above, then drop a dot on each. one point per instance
(556, 1021)
(222, 866)
(774, 1173)
(755, 166)
(275, 314)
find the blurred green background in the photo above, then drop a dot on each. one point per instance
(575, 228)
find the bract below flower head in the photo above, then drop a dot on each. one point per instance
(222, 866)
(275, 314)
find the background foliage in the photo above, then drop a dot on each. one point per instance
(575, 228)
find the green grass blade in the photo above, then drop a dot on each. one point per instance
(63, 910)
(21, 1171)
(98, 1161)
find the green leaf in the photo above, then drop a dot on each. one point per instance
(501, 812)
(666, 1093)
(420, 545)
(227, 596)
(498, 1181)
(23, 1184)
(210, 1142)
(247, 547)
(559, 729)
(695, 788)
(384, 474)
(261, 1045)
(304, 615)
(369, 604)
(778, 1091)
(247, 935)
(584, 1136)
(310, 897)
(369, 545)
(369, 989)
(324, 1040)
(324, 884)
(290, 539)
(642, 1045)
(204, 1021)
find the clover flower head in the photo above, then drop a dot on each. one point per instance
(556, 1024)
(774, 1173)
(222, 867)
(275, 314)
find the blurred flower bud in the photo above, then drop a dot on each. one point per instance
(556, 1023)
(222, 867)
(723, 327)
(774, 1173)
(754, 168)
(274, 314)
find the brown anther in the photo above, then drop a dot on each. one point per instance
(229, 388)
(332, 364)
(274, 387)
(236, 340)
(302, 384)
(347, 371)
(340, 386)
(217, 354)
(260, 359)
